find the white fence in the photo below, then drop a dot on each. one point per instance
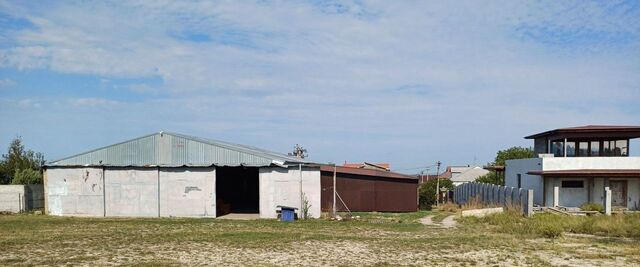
(19, 198)
(490, 194)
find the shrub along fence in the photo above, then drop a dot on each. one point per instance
(490, 194)
(19, 198)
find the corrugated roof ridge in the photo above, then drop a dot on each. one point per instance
(103, 147)
(237, 147)
(257, 152)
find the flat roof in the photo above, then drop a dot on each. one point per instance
(367, 172)
(593, 131)
(589, 173)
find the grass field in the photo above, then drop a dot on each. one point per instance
(376, 239)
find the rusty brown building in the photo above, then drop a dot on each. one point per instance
(368, 190)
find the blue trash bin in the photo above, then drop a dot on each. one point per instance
(287, 214)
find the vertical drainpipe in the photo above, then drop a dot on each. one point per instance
(301, 198)
(334, 190)
(104, 193)
(158, 191)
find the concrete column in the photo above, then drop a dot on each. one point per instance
(607, 201)
(529, 204)
(565, 147)
(556, 196)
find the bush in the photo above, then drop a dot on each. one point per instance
(590, 206)
(427, 192)
(27, 176)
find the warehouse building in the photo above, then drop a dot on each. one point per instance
(169, 174)
(173, 175)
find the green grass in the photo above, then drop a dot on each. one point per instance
(382, 239)
(551, 225)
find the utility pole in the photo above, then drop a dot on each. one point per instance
(334, 190)
(438, 183)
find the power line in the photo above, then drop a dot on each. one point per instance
(416, 168)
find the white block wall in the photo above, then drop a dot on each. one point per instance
(75, 191)
(180, 192)
(188, 192)
(279, 186)
(12, 198)
(131, 192)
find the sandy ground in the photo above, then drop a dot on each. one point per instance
(447, 222)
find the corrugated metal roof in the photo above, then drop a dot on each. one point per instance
(173, 150)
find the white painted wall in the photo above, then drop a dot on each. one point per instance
(188, 192)
(75, 191)
(131, 192)
(593, 163)
(522, 166)
(280, 186)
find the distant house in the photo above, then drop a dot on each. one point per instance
(368, 165)
(575, 165)
(463, 174)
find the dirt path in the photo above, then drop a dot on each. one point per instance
(427, 220)
(448, 222)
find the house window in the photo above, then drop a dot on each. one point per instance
(557, 148)
(519, 180)
(621, 148)
(595, 149)
(571, 149)
(583, 149)
(573, 184)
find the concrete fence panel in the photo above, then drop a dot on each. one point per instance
(19, 198)
(489, 194)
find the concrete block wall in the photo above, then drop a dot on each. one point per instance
(131, 192)
(279, 186)
(489, 194)
(19, 198)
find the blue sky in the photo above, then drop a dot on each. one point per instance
(405, 82)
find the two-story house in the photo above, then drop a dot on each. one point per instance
(579, 163)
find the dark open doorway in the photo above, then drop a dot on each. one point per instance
(237, 190)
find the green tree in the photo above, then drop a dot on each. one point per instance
(515, 152)
(490, 178)
(502, 156)
(427, 192)
(17, 159)
(27, 176)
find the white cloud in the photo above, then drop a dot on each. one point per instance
(93, 102)
(332, 71)
(27, 103)
(6, 83)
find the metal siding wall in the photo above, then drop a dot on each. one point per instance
(396, 196)
(367, 193)
(187, 192)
